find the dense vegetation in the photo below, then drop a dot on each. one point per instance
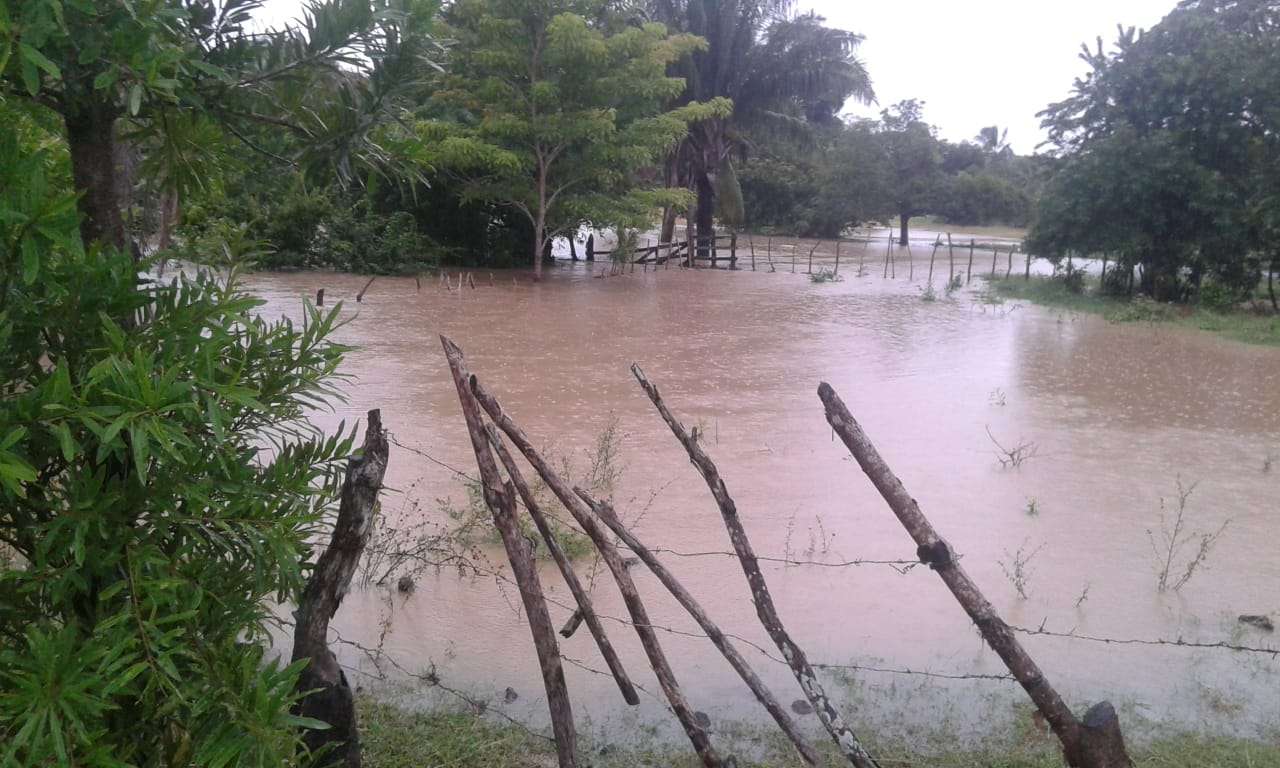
(1171, 155)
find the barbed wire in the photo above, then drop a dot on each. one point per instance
(1179, 643)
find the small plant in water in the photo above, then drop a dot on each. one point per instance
(1173, 569)
(954, 284)
(825, 276)
(927, 293)
(1033, 507)
(1017, 567)
(1013, 456)
(997, 397)
(1084, 594)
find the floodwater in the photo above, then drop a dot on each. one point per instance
(1118, 415)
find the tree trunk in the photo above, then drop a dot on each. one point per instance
(904, 234)
(331, 699)
(705, 229)
(170, 211)
(668, 225)
(1271, 283)
(91, 142)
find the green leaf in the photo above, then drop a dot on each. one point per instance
(30, 260)
(135, 98)
(40, 60)
(105, 79)
(66, 442)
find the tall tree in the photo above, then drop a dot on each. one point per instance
(781, 71)
(560, 106)
(1195, 93)
(914, 156)
(169, 65)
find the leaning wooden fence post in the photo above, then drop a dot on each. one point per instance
(608, 552)
(968, 275)
(911, 263)
(751, 243)
(794, 655)
(360, 295)
(605, 512)
(888, 245)
(585, 609)
(330, 698)
(1094, 743)
(1027, 276)
(500, 498)
(837, 272)
(995, 254)
(936, 243)
(1009, 270)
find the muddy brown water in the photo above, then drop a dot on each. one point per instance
(1118, 412)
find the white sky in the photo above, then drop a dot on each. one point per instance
(973, 63)
(981, 62)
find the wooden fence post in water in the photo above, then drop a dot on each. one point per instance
(608, 552)
(751, 243)
(968, 275)
(360, 295)
(1028, 274)
(1009, 271)
(585, 611)
(500, 498)
(951, 261)
(911, 263)
(605, 512)
(1094, 743)
(330, 698)
(320, 297)
(811, 250)
(837, 271)
(936, 243)
(887, 247)
(794, 655)
(733, 249)
(995, 254)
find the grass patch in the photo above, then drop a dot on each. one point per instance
(1239, 325)
(395, 738)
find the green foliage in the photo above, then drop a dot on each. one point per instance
(1170, 146)
(158, 487)
(559, 110)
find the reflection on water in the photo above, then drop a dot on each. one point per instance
(1118, 412)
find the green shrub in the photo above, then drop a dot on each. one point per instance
(158, 487)
(1217, 297)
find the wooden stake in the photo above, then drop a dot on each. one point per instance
(843, 736)
(320, 297)
(1096, 743)
(752, 244)
(762, 693)
(951, 262)
(585, 608)
(811, 250)
(500, 499)
(936, 243)
(837, 272)
(887, 247)
(1009, 271)
(630, 595)
(968, 274)
(329, 697)
(995, 254)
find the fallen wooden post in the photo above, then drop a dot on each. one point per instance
(762, 693)
(626, 585)
(1094, 743)
(500, 499)
(794, 655)
(329, 698)
(566, 569)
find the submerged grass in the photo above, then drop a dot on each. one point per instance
(1239, 325)
(396, 738)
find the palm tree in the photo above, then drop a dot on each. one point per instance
(993, 140)
(783, 73)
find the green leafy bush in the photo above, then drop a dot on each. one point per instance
(158, 487)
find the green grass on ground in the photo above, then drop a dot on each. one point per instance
(394, 738)
(1251, 327)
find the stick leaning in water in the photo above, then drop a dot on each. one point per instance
(1095, 743)
(844, 737)
(626, 585)
(500, 499)
(762, 693)
(585, 608)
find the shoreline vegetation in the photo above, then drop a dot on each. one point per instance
(1242, 323)
(398, 738)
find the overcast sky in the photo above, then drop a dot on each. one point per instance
(981, 62)
(973, 62)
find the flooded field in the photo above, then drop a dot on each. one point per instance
(1118, 414)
